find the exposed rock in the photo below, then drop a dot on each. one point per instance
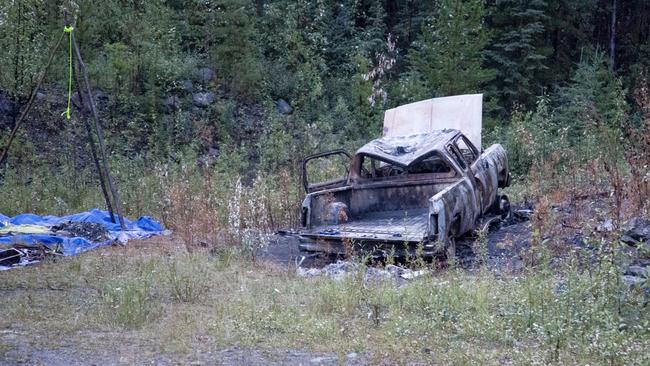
(213, 152)
(172, 103)
(283, 107)
(637, 271)
(8, 110)
(308, 272)
(203, 99)
(394, 270)
(208, 159)
(188, 85)
(639, 231)
(377, 275)
(204, 75)
(633, 280)
(321, 360)
(606, 226)
(340, 269)
(98, 97)
(409, 275)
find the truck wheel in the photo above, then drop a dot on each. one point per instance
(451, 240)
(451, 250)
(504, 206)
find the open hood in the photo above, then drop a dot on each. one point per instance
(460, 112)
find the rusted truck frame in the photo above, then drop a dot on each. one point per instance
(403, 192)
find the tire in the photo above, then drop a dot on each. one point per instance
(451, 250)
(504, 206)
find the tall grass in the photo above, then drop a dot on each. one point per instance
(566, 314)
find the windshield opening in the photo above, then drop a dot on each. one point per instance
(378, 169)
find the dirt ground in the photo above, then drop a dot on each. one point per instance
(142, 354)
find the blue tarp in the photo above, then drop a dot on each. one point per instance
(143, 227)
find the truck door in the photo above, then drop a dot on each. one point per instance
(485, 181)
(325, 170)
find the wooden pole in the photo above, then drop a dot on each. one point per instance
(612, 38)
(100, 134)
(93, 148)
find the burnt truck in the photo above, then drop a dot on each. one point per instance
(414, 188)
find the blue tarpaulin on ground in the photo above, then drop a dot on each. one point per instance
(141, 228)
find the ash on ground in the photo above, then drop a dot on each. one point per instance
(89, 230)
(342, 269)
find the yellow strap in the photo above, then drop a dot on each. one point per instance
(68, 30)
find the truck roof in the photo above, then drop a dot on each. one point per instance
(404, 150)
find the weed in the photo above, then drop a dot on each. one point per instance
(187, 278)
(480, 246)
(129, 301)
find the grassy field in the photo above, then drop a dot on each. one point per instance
(152, 298)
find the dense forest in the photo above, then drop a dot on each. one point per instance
(248, 87)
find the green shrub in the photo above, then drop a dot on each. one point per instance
(129, 302)
(187, 278)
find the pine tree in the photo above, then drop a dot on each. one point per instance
(370, 26)
(570, 27)
(517, 53)
(591, 106)
(235, 51)
(405, 18)
(447, 57)
(24, 38)
(339, 36)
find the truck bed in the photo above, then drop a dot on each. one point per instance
(386, 226)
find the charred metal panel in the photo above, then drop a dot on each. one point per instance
(320, 204)
(457, 209)
(366, 200)
(387, 226)
(404, 150)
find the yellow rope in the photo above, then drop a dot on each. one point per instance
(68, 30)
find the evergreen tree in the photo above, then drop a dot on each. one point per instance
(591, 106)
(517, 53)
(339, 36)
(447, 57)
(370, 26)
(234, 51)
(25, 36)
(405, 18)
(570, 27)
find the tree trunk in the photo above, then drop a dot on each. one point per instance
(612, 37)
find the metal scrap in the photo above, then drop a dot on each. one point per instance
(24, 254)
(89, 230)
